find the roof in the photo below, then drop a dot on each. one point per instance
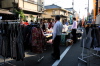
(5, 11)
(69, 9)
(51, 6)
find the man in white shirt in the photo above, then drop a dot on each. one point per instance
(74, 28)
(57, 31)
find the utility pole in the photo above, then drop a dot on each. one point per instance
(79, 13)
(73, 6)
(88, 10)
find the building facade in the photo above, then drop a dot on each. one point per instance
(52, 10)
(30, 7)
(96, 7)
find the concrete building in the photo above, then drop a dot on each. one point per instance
(52, 10)
(96, 7)
(30, 7)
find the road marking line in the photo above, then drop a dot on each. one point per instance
(61, 57)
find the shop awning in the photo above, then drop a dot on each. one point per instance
(60, 16)
(28, 11)
(3, 11)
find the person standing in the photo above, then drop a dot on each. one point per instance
(53, 22)
(46, 25)
(31, 22)
(57, 31)
(74, 28)
(66, 22)
(50, 25)
(43, 27)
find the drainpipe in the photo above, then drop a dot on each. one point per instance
(73, 6)
(88, 11)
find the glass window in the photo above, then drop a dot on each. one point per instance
(54, 12)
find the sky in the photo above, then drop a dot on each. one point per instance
(79, 5)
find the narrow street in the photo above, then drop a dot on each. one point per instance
(69, 57)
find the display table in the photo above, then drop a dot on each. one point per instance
(65, 36)
(48, 35)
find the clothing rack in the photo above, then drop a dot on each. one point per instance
(85, 57)
(39, 56)
(90, 51)
(4, 58)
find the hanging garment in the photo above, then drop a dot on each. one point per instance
(37, 40)
(86, 39)
(0, 44)
(97, 33)
(12, 41)
(5, 41)
(20, 50)
(94, 39)
(83, 36)
(27, 36)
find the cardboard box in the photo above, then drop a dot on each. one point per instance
(69, 42)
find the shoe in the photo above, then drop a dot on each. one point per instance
(74, 42)
(52, 54)
(55, 58)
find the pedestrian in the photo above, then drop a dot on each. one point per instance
(53, 22)
(46, 24)
(43, 27)
(50, 25)
(65, 27)
(74, 28)
(26, 23)
(57, 31)
(66, 22)
(31, 22)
